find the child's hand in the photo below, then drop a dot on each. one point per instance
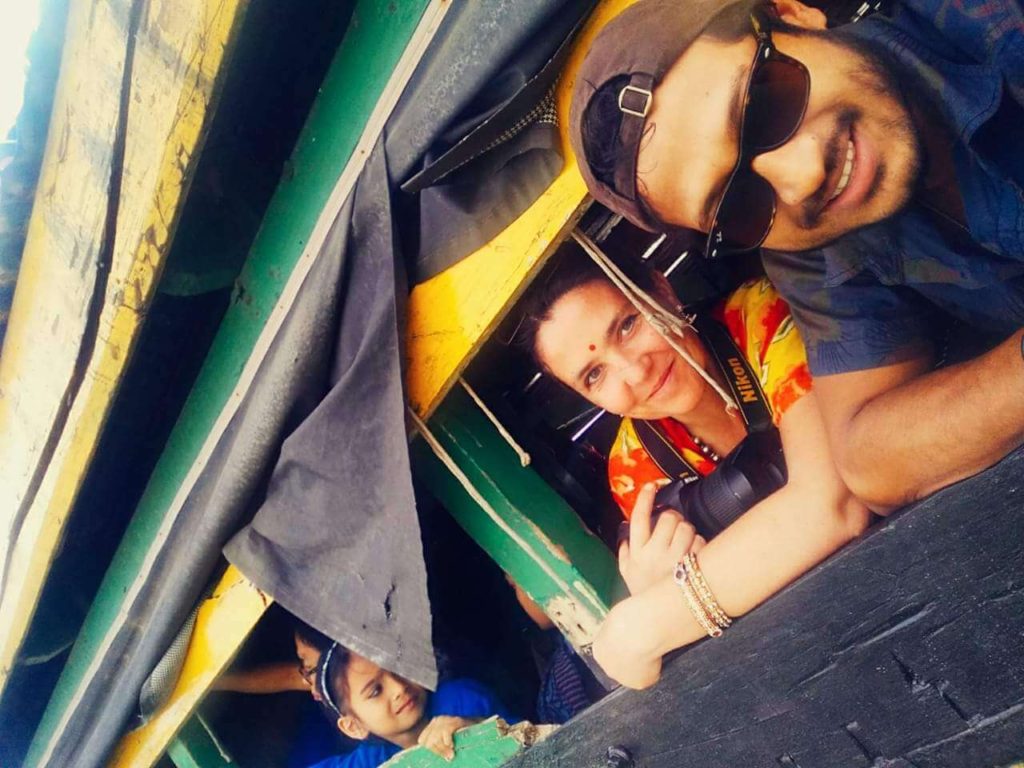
(438, 735)
(650, 556)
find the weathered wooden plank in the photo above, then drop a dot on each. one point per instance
(223, 623)
(197, 747)
(182, 46)
(538, 539)
(452, 314)
(904, 649)
(486, 745)
(382, 46)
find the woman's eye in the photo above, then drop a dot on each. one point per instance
(593, 376)
(374, 692)
(628, 324)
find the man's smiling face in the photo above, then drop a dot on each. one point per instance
(853, 160)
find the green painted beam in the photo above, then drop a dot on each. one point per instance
(486, 745)
(540, 542)
(197, 747)
(375, 40)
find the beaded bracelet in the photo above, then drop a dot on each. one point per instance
(707, 597)
(682, 578)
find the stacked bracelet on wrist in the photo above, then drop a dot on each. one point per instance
(699, 598)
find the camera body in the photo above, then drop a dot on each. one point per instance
(755, 469)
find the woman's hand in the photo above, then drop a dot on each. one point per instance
(650, 556)
(438, 735)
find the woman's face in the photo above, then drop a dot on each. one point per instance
(596, 342)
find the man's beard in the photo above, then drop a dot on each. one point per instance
(878, 73)
(883, 74)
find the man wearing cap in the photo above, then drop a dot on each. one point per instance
(879, 166)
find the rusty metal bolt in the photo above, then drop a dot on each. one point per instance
(618, 757)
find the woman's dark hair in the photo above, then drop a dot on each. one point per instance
(570, 268)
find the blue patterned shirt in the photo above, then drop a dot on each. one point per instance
(873, 297)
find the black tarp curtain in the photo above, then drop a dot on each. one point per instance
(333, 534)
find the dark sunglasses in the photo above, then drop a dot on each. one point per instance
(776, 99)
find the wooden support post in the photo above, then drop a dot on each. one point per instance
(224, 621)
(533, 535)
(485, 745)
(197, 747)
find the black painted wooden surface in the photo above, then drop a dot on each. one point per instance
(904, 650)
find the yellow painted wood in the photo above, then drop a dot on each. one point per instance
(223, 623)
(453, 313)
(179, 56)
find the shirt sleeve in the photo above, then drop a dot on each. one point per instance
(317, 738)
(467, 698)
(364, 756)
(852, 323)
(760, 322)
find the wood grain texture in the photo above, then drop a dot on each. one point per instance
(485, 745)
(904, 650)
(176, 67)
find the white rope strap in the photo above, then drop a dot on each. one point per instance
(664, 322)
(467, 484)
(524, 457)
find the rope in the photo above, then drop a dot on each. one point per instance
(524, 457)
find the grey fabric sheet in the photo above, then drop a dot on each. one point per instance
(337, 540)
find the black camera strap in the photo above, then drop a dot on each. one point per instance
(744, 384)
(746, 390)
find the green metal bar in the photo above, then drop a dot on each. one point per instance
(197, 747)
(486, 745)
(540, 542)
(375, 40)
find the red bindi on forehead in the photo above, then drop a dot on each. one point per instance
(592, 348)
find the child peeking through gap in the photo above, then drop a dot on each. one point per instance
(386, 713)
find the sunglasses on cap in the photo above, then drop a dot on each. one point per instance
(778, 89)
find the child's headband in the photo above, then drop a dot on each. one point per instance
(325, 690)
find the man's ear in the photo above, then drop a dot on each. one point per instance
(352, 727)
(800, 15)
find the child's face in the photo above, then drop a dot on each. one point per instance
(382, 704)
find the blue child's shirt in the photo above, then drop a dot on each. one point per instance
(318, 737)
(455, 698)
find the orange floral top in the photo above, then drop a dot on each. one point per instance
(758, 320)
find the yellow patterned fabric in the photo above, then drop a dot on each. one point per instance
(759, 322)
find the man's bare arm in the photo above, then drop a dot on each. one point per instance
(901, 432)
